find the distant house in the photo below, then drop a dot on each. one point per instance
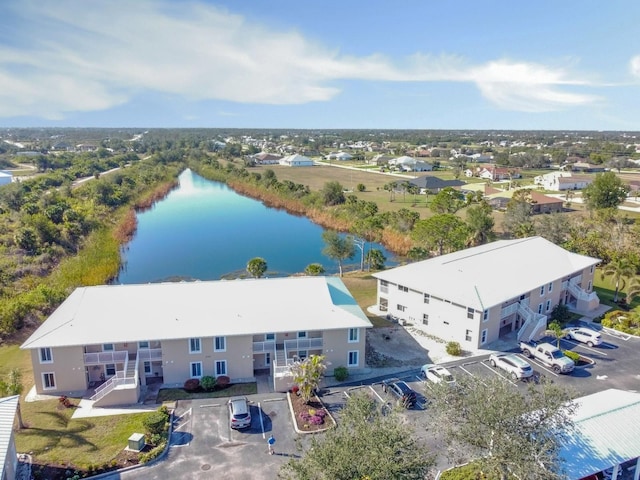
(341, 156)
(540, 203)
(410, 164)
(264, 158)
(381, 159)
(584, 167)
(480, 158)
(5, 177)
(496, 174)
(8, 452)
(86, 147)
(560, 181)
(61, 146)
(296, 160)
(432, 184)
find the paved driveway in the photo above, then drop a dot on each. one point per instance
(204, 446)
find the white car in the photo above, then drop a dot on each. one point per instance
(511, 363)
(437, 374)
(584, 335)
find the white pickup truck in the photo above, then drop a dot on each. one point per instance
(549, 355)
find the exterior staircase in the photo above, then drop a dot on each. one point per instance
(534, 325)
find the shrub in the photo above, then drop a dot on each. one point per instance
(222, 381)
(316, 420)
(560, 314)
(341, 373)
(208, 383)
(454, 348)
(154, 453)
(153, 439)
(572, 355)
(155, 423)
(626, 322)
(295, 389)
(360, 187)
(192, 385)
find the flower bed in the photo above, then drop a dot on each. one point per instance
(309, 417)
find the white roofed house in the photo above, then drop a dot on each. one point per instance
(410, 164)
(118, 337)
(477, 295)
(296, 160)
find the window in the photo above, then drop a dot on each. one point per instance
(219, 344)
(470, 313)
(591, 270)
(427, 298)
(548, 306)
(402, 288)
(147, 367)
(445, 322)
(485, 315)
(143, 345)
(401, 308)
(542, 290)
(108, 347)
(522, 297)
(540, 308)
(483, 336)
(352, 360)
(194, 345)
(267, 358)
(467, 335)
(269, 337)
(302, 334)
(48, 381)
(196, 369)
(221, 367)
(384, 283)
(589, 286)
(302, 354)
(110, 369)
(425, 319)
(353, 335)
(550, 288)
(45, 355)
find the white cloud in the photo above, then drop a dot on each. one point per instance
(83, 59)
(634, 66)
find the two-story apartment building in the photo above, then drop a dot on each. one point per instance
(118, 337)
(476, 295)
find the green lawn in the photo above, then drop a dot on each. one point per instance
(12, 357)
(605, 289)
(172, 394)
(364, 289)
(52, 437)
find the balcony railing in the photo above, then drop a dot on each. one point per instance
(261, 347)
(303, 344)
(150, 354)
(101, 358)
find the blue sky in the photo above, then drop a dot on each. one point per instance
(474, 64)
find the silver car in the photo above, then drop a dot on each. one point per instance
(584, 335)
(512, 364)
(239, 412)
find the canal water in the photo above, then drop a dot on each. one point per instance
(203, 230)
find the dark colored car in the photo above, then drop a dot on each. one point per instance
(399, 389)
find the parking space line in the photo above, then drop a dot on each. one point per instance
(586, 347)
(376, 394)
(211, 405)
(471, 374)
(261, 420)
(541, 365)
(616, 334)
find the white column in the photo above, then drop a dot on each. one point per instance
(636, 472)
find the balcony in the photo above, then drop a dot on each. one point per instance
(102, 358)
(150, 354)
(303, 344)
(262, 347)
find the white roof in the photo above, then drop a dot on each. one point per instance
(295, 158)
(484, 276)
(8, 407)
(607, 433)
(160, 311)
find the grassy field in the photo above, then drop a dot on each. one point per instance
(363, 287)
(606, 290)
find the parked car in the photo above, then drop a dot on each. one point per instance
(515, 366)
(437, 374)
(239, 412)
(399, 389)
(584, 335)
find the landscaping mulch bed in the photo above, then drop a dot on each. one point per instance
(310, 417)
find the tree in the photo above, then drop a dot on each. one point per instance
(365, 445)
(375, 259)
(447, 200)
(441, 232)
(510, 434)
(338, 247)
(554, 227)
(480, 222)
(556, 331)
(517, 218)
(13, 386)
(314, 269)
(332, 194)
(257, 267)
(307, 375)
(634, 289)
(606, 191)
(619, 269)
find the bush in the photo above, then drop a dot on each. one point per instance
(341, 373)
(454, 348)
(222, 381)
(154, 453)
(208, 383)
(155, 422)
(560, 314)
(360, 187)
(192, 385)
(572, 355)
(471, 471)
(626, 322)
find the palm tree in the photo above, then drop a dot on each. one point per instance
(634, 289)
(619, 270)
(257, 267)
(555, 330)
(307, 375)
